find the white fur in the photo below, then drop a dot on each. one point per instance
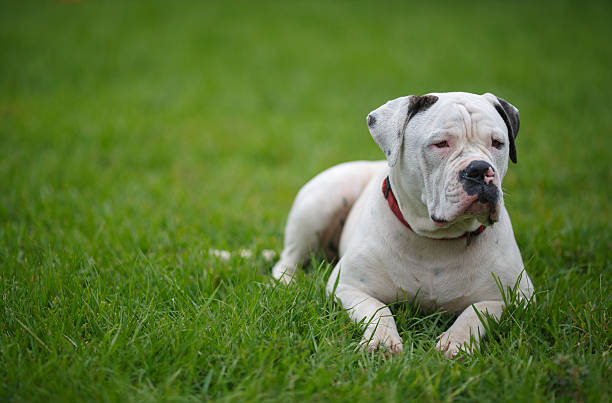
(380, 260)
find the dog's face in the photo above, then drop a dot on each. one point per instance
(452, 148)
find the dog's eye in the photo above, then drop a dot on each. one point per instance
(442, 144)
(497, 144)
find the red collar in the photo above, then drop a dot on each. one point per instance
(388, 194)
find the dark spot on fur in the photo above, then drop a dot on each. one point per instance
(513, 122)
(371, 120)
(344, 201)
(421, 103)
(418, 104)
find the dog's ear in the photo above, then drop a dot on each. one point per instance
(388, 123)
(511, 118)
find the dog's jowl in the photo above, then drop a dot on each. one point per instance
(428, 224)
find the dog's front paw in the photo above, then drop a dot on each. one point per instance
(382, 338)
(450, 344)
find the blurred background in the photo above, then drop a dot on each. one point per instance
(228, 107)
(167, 121)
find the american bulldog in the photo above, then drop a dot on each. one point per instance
(428, 224)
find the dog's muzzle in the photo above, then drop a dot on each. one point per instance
(478, 178)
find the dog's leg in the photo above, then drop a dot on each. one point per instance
(380, 328)
(308, 220)
(467, 326)
(317, 216)
(300, 239)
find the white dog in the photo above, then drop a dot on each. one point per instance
(430, 226)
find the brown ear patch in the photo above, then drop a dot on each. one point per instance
(419, 104)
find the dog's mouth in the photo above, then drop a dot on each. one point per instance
(485, 211)
(479, 182)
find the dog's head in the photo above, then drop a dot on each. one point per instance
(451, 150)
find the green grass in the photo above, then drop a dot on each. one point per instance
(135, 136)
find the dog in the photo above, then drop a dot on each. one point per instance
(428, 224)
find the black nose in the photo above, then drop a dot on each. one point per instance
(477, 170)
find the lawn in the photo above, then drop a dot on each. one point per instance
(137, 136)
